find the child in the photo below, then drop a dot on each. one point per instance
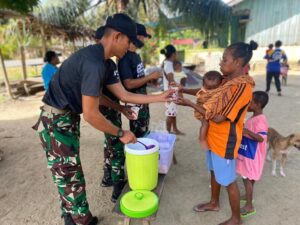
(179, 75)
(270, 49)
(211, 80)
(255, 128)
(226, 110)
(168, 70)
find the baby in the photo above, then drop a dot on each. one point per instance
(179, 75)
(211, 81)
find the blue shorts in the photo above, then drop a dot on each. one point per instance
(224, 169)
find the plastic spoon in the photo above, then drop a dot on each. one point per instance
(147, 146)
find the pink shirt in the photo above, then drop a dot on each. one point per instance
(252, 169)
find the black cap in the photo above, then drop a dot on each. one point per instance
(49, 55)
(124, 24)
(99, 32)
(141, 30)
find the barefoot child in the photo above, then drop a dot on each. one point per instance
(168, 69)
(250, 167)
(226, 110)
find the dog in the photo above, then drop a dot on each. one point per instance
(280, 146)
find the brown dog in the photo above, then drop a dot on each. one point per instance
(279, 146)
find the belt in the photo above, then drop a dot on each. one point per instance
(51, 109)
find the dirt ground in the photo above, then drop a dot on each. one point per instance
(28, 195)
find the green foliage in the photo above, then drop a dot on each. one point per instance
(22, 6)
(211, 17)
(66, 15)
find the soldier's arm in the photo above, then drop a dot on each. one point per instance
(136, 83)
(120, 92)
(93, 116)
(105, 101)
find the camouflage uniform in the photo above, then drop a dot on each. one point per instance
(114, 158)
(60, 141)
(140, 127)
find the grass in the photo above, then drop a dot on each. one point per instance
(15, 73)
(3, 98)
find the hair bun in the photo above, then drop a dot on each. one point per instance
(253, 45)
(163, 51)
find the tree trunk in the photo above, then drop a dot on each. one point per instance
(23, 60)
(121, 5)
(6, 81)
(44, 44)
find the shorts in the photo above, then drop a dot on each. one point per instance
(224, 169)
(171, 109)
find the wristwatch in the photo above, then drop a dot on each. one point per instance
(120, 133)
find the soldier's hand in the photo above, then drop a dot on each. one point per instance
(128, 137)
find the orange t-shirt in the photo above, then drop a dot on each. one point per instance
(224, 138)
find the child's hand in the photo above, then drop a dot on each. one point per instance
(246, 131)
(183, 101)
(174, 84)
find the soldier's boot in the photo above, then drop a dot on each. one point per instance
(118, 187)
(94, 220)
(69, 221)
(106, 180)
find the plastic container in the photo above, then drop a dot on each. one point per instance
(166, 143)
(142, 164)
(139, 204)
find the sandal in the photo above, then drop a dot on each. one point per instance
(245, 214)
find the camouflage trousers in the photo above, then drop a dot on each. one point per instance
(140, 127)
(60, 141)
(114, 157)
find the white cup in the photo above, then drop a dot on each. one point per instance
(175, 94)
(135, 110)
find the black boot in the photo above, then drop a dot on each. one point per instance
(68, 220)
(94, 221)
(118, 187)
(106, 180)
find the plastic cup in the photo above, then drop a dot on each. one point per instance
(175, 94)
(135, 110)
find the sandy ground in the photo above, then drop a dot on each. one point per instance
(28, 195)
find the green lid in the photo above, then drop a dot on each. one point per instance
(139, 204)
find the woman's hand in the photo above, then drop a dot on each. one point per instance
(184, 102)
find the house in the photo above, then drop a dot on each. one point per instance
(266, 21)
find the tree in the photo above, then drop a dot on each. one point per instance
(211, 17)
(17, 28)
(22, 6)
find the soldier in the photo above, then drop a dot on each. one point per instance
(114, 158)
(132, 75)
(76, 88)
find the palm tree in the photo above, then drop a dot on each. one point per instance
(211, 17)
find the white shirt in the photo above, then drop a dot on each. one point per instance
(168, 68)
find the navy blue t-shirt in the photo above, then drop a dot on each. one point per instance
(111, 77)
(83, 73)
(131, 67)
